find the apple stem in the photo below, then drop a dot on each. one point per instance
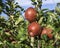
(32, 42)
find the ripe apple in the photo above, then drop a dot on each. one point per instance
(30, 14)
(50, 36)
(34, 29)
(47, 31)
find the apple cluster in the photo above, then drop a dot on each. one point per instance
(34, 28)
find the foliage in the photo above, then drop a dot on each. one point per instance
(13, 31)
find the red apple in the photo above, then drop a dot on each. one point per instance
(30, 14)
(34, 29)
(50, 36)
(46, 31)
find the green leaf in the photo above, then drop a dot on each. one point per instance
(1, 43)
(40, 20)
(33, 0)
(7, 33)
(44, 37)
(21, 34)
(57, 10)
(20, 19)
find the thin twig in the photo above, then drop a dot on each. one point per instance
(32, 42)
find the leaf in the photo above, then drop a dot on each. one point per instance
(50, 26)
(20, 19)
(1, 43)
(21, 34)
(40, 21)
(44, 9)
(7, 8)
(44, 37)
(7, 33)
(0, 28)
(33, 0)
(57, 10)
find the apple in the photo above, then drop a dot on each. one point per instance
(30, 14)
(34, 29)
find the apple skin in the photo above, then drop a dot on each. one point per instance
(32, 34)
(47, 31)
(34, 29)
(50, 36)
(30, 14)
